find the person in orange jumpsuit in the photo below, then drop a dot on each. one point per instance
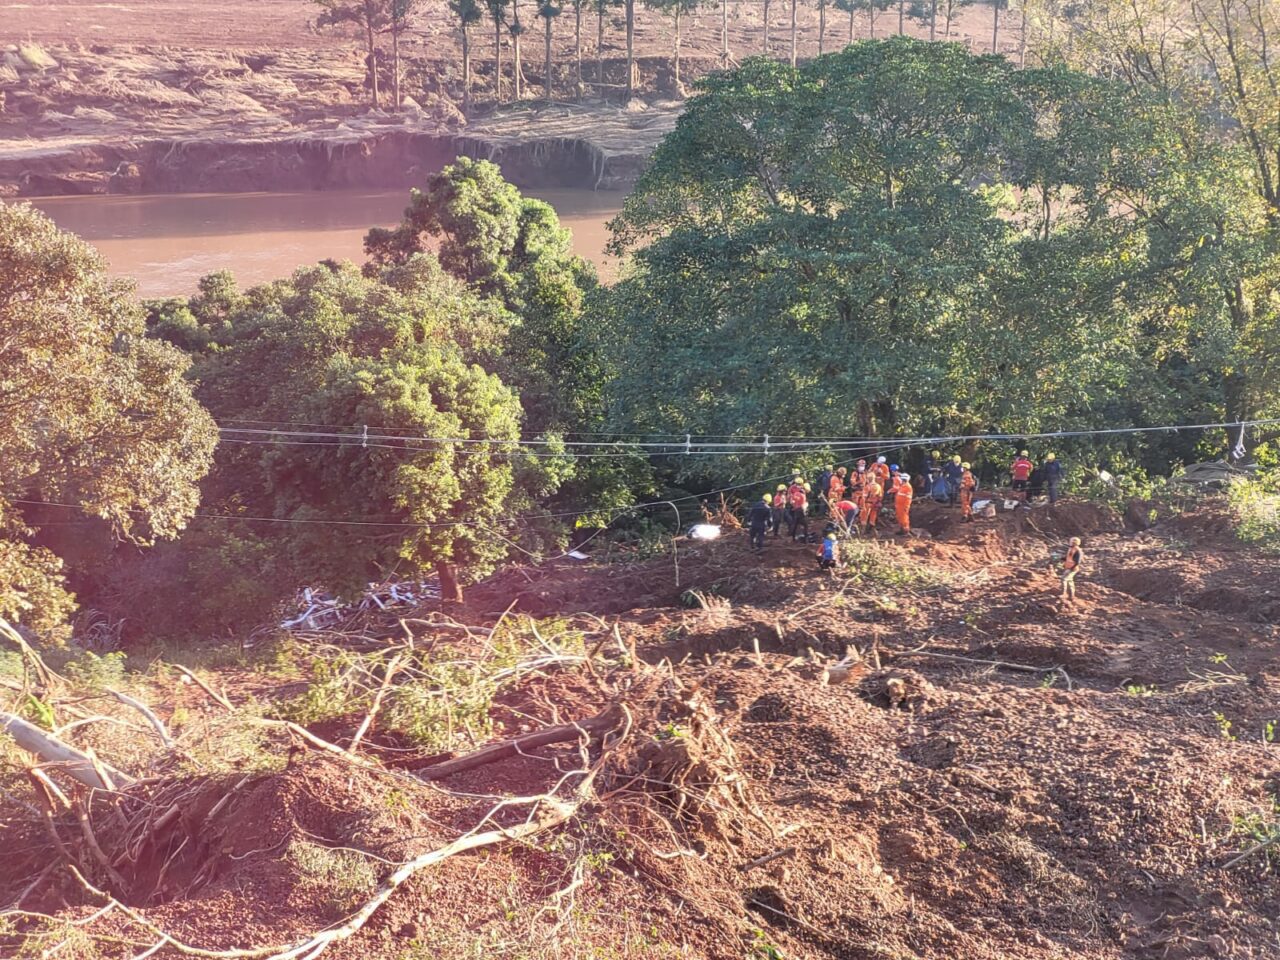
(968, 486)
(881, 469)
(902, 504)
(837, 486)
(872, 500)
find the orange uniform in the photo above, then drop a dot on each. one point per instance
(872, 499)
(902, 506)
(836, 493)
(881, 470)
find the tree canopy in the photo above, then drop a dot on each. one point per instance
(510, 249)
(907, 238)
(400, 354)
(95, 415)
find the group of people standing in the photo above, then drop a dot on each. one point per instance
(854, 500)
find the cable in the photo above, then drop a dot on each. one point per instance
(705, 447)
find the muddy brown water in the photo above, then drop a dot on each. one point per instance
(168, 242)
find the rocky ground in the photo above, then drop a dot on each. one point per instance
(175, 95)
(925, 755)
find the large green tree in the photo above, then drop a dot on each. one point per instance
(1208, 80)
(92, 413)
(402, 353)
(511, 249)
(902, 237)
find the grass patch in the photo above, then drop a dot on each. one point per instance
(343, 878)
(1256, 505)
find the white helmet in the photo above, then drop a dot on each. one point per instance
(905, 476)
(881, 460)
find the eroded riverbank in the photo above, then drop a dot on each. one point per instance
(164, 120)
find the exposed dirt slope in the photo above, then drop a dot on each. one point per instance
(233, 95)
(1081, 800)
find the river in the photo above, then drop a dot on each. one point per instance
(167, 242)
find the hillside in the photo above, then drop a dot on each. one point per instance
(925, 755)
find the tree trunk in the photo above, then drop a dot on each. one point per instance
(450, 588)
(497, 59)
(74, 763)
(631, 48)
(822, 27)
(902, 17)
(794, 37)
(852, 14)
(766, 28)
(548, 83)
(373, 63)
(395, 65)
(946, 34)
(724, 33)
(466, 70)
(677, 57)
(871, 19)
(577, 46)
(995, 26)
(599, 41)
(1022, 40)
(516, 29)
(933, 21)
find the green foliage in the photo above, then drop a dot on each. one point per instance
(903, 238)
(97, 673)
(94, 414)
(511, 250)
(1260, 827)
(1256, 505)
(405, 352)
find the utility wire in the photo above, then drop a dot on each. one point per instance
(691, 446)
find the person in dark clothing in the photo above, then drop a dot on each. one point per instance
(1052, 470)
(953, 471)
(758, 518)
(1035, 485)
(932, 470)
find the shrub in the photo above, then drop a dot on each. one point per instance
(1256, 505)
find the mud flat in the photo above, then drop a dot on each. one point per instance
(110, 120)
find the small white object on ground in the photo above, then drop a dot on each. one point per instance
(705, 531)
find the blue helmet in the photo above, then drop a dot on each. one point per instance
(893, 468)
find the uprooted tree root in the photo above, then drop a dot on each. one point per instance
(656, 762)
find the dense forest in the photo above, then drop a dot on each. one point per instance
(899, 239)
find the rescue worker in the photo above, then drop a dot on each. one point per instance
(778, 508)
(953, 471)
(1070, 567)
(1020, 471)
(835, 491)
(824, 481)
(758, 521)
(847, 512)
(1035, 486)
(797, 508)
(1052, 476)
(933, 469)
(881, 470)
(967, 486)
(872, 500)
(902, 504)
(829, 552)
